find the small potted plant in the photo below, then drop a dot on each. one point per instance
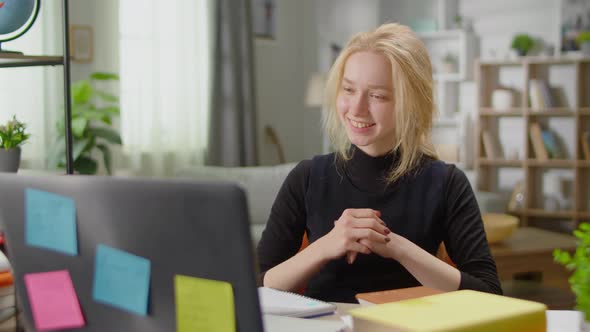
(12, 135)
(583, 40)
(522, 43)
(579, 263)
(449, 63)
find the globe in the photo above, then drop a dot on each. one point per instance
(16, 17)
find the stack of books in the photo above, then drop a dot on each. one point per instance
(7, 302)
(463, 310)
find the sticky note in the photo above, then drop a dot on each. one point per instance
(203, 305)
(50, 221)
(53, 300)
(121, 279)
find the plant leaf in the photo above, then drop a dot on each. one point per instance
(82, 92)
(109, 110)
(107, 133)
(103, 76)
(85, 165)
(79, 126)
(79, 147)
(107, 96)
(106, 154)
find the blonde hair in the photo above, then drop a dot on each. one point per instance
(412, 92)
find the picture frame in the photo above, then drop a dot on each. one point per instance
(264, 14)
(81, 43)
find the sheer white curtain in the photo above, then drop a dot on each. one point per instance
(165, 83)
(35, 94)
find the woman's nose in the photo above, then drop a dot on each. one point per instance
(359, 104)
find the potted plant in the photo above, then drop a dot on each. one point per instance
(449, 63)
(93, 111)
(579, 263)
(522, 43)
(12, 136)
(583, 40)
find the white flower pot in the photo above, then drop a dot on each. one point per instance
(9, 160)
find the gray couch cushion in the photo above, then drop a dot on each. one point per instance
(261, 184)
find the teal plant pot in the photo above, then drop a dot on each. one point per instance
(9, 160)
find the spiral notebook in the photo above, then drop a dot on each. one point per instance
(277, 302)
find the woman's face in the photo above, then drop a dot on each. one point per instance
(365, 103)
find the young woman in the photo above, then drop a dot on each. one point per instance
(376, 210)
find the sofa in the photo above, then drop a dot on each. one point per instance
(262, 183)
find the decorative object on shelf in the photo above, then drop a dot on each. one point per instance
(498, 226)
(522, 43)
(583, 40)
(93, 111)
(16, 18)
(81, 43)
(575, 17)
(457, 22)
(579, 263)
(517, 197)
(449, 63)
(264, 18)
(12, 135)
(502, 99)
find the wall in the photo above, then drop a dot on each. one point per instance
(103, 17)
(280, 82)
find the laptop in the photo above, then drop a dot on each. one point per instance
(198, 229)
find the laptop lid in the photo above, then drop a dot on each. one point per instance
(198, 229)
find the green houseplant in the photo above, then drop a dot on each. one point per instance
(522, 43)
(93, 111)
(12, 135)
(583, 40)
(579, 263)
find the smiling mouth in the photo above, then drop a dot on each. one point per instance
(360, 125)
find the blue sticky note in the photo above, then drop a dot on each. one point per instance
(121, 279)
(50, 221)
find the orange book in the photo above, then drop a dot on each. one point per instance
(6, 279)
(394, 295)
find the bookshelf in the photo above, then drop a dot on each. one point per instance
(15, 60)
(555, 172)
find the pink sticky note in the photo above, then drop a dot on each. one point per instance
(54, 302)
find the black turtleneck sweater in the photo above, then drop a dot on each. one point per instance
(432, 204)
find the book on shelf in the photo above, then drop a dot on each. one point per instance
(586, 144)
(540, 94)
(463, 310)
(550, 142)
(393, 295)
(536, 136)
(490, 145)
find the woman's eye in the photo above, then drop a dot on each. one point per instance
(376, 96)
(348, 89)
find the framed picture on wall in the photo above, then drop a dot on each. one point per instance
(81, 40)
(264, 18)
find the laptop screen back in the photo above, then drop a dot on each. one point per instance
(197, 229)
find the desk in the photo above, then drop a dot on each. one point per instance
(531, 250)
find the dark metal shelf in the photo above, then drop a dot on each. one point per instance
(9, 60)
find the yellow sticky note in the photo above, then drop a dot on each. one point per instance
(203, 305)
